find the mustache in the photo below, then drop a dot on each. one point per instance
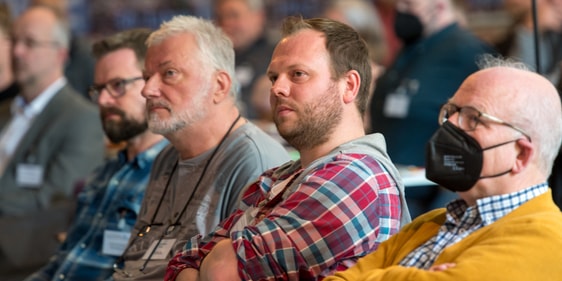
(157, 103)
(18, 64)
(111, 110)
(282, 102)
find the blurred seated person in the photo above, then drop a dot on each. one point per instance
(79, 68)
(244, 22)
(53, 139)
(438, 53)
(519, 42)
(111, 198)
(495, 147)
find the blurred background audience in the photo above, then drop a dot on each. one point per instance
(252, 25)
(244, 22)
(437, 54)
(519, 40)
(52, 140)
(79, 68)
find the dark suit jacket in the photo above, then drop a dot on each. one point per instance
(6, 97)
(427, 73)
(66, 139)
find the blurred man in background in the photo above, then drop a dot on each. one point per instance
(53, 139)
(244, 22)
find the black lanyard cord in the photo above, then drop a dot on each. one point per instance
(145, 229)
(171, 227)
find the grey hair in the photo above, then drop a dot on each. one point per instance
(489, 61)
(539, 116)
(61, 34)
(214, 46)
(61, 30)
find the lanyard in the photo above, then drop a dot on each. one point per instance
(144, 230)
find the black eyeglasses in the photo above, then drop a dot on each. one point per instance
(115, 87)
(470, 117)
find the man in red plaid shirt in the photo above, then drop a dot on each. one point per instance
(307, 219)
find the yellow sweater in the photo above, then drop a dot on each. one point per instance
(524, 245)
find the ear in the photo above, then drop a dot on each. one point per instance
(352, 83)
(222, 86)
(525, 155)
(64, 55)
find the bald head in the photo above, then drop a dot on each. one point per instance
(523, 98)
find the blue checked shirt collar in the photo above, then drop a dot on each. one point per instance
(462, 220)
(490, 209)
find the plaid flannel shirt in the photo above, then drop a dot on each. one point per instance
(330, 216)
(110, 200)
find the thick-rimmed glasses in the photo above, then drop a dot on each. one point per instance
(469, 117)
(115, 87)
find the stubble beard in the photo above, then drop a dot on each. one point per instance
(316, 122)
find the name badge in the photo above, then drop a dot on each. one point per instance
(396, 105)
(162, 250)
(115, 242)
(29, 175)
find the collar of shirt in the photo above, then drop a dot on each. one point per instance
(490, 209)
(33, 108)
(144, 158)
(462, 220)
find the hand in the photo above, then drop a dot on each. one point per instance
(220, 264)
(442, 267)
(188, 274)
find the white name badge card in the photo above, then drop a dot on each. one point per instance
(29, 175)
(396, 105)
(115, 242)
(161, 253)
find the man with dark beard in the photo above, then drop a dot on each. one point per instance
(309, 218)
(110, 201)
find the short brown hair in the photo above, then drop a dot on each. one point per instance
(134, 39)
(347, 50)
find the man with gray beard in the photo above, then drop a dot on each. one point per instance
(196, 182)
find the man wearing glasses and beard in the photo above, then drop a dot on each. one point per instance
(110, 200)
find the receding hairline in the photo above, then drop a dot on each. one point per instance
(517, 77)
